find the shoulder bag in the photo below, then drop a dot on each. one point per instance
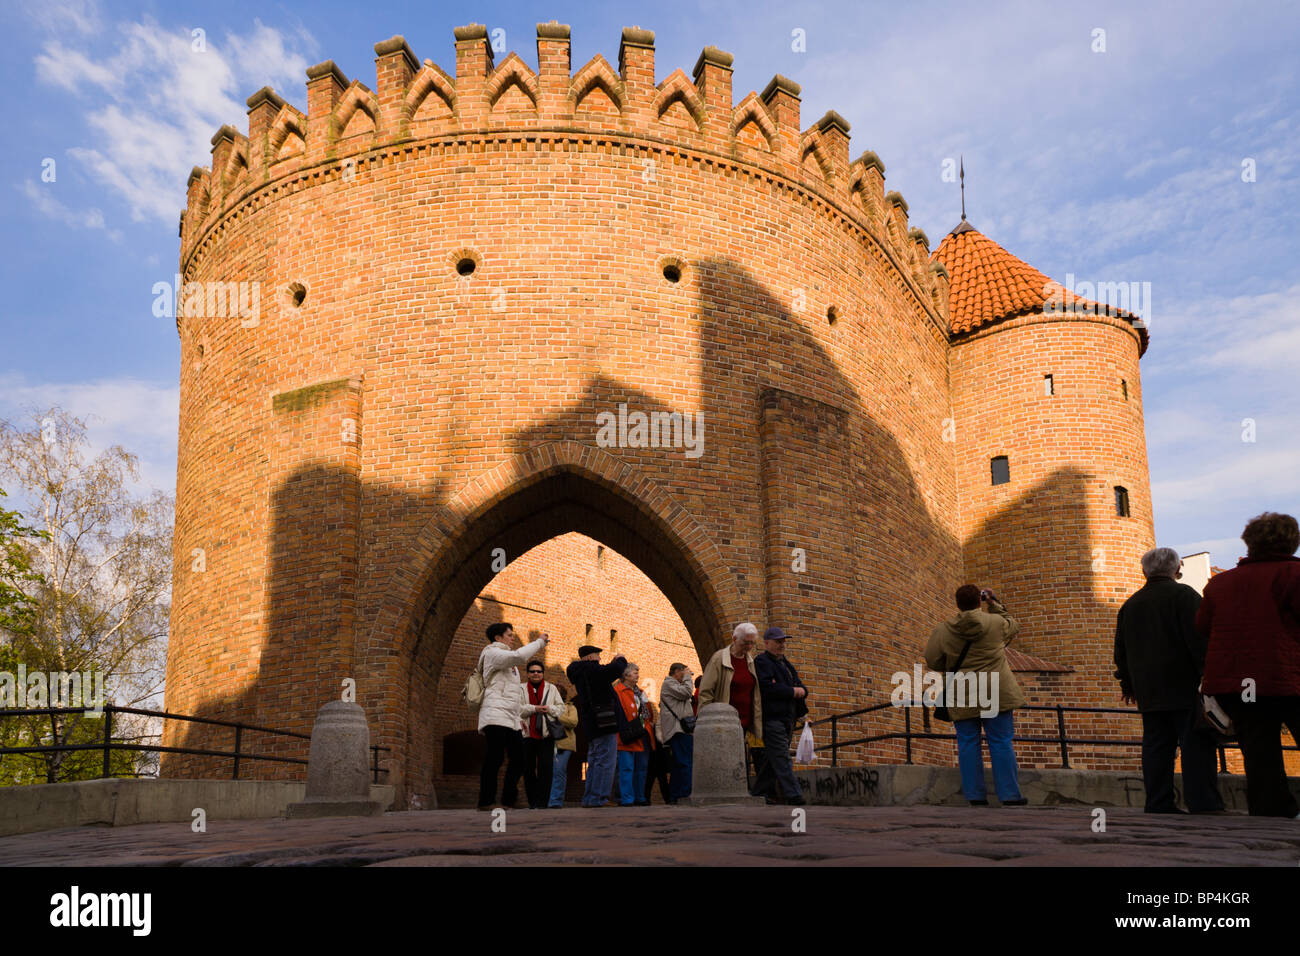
(472, 693)
(688, 723)
(941, 705)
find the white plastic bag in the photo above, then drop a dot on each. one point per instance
(804, 753)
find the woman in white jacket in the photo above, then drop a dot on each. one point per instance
(501, 711)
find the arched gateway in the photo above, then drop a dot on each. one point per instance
(507, 305)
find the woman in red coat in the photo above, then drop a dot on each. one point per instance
(1251, 616)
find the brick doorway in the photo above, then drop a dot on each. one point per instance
(550, 527)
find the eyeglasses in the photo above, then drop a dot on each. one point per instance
(530, 673)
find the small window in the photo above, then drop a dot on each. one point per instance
(613, 639)
(1000, 469)
(1121, 502)
(600, 556)
(1123, 388)
(588, 632)
(1049, 385)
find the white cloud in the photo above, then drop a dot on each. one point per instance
(141, 416)
(55, 16)
(52, 208)
(1259, 476)
(154, 102)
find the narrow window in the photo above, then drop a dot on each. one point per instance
(588, 632)
(1121, 501)
(1049, 386)
(1000, 469)
(600, 555)
(613, 639)
(1123, 387)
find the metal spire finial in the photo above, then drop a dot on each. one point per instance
(963, 189)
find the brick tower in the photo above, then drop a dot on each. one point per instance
(463, 275)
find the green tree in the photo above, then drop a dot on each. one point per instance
(96, 589)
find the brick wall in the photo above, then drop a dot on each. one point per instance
(348, 533)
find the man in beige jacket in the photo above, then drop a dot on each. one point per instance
(726, 682)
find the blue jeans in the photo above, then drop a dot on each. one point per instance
(560, 777)
(631, 776)
(600, 770)
(1002, 756)
(679, 781)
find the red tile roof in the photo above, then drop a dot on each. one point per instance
(1020, 661)
(987, 284)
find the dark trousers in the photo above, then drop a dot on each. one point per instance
(1163, 732)
(657, 770)
(1259, 732)
(539, 768)
(502, 744)
(776, 769)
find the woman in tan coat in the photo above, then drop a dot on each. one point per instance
(985, 691)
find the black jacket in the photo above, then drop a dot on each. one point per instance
(593, 682)
(777, 680)
(1159, 654)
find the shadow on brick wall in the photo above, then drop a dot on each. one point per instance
(793, 460)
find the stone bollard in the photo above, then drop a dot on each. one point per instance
(718, 775)
(338, 779)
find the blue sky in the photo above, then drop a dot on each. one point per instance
(1123, 165)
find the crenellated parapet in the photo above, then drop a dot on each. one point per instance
(346, 124)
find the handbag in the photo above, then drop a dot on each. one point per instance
(940, 706)
(688, 723)
(630, 729)
(1211, 716)
(472, 693)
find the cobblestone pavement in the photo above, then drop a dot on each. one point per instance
(747, 836)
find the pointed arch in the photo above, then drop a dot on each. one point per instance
(356, 99)
(430, 82)
(752, 112)
(811, 146)
(678, 89)
(596, 74)
(512, 72)
(288, 134)
(237, 165)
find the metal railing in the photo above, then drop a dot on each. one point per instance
(109, 746)
(1061, 738)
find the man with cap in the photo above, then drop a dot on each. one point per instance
(594, 684)
(784, 702)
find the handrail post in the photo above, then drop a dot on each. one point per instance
(239, 734)
(108, 739)
(907, 730)
(1060, 726)
(835, 741)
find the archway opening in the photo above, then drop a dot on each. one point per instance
(578, 591)
(559, 552)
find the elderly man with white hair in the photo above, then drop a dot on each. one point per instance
(1159, 659)
(730, 677)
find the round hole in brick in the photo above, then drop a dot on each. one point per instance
(297, 294)
(832, 315)
(673, 273)
(466, 266)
